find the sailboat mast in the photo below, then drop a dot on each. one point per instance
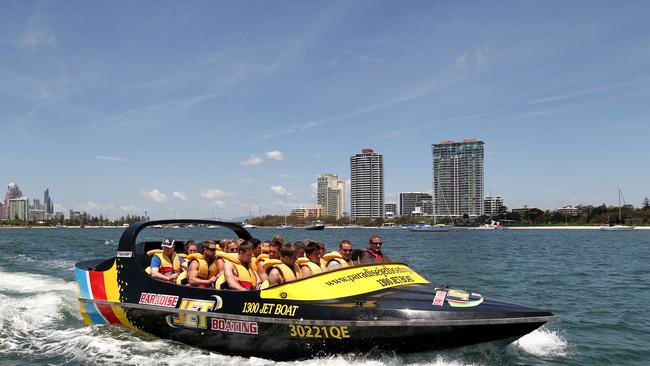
(619, 207)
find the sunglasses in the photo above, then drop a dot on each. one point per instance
(233, 250)
(376, 243)
(347, 250)
(212, 249)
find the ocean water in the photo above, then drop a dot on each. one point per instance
(597, 284)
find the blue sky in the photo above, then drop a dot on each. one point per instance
(186, 107)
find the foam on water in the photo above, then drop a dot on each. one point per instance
(543, 343)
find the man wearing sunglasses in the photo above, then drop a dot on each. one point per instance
(202, 270)
(374, 254)
(339, 258)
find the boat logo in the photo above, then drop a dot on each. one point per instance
(169, 301)
(125, 254)
(439, 299)
(233, 326)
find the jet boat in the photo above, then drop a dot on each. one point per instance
(353, 309)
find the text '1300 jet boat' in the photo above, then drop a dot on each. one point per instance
(353, 309)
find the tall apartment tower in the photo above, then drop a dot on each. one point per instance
(12, 192)
(458, 178)
(48, 206)
(367, 185)
(331, 195)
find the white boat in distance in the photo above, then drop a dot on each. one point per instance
(390, 226)
(618, 227)
(246, 225)
(494, 225)
(422, 226)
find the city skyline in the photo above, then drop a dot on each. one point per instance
(126, 108)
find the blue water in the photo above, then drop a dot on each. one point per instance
(597, 283)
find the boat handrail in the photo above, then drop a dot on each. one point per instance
(130, 234)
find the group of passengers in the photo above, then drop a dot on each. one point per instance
(250, 264)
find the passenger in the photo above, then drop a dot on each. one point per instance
(279, 238)
(257, 249)
(310, 264)
(231, 247)
(223, 243)
(238, 272)
(374, 254)
(265, 246)
(300, 249)
(355, 258)
(274, 253)
(340, 258)
(190, 247)
(284, 269)
(202, 271)
(323, 251)
(166, 265)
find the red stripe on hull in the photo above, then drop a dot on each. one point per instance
(99, 293)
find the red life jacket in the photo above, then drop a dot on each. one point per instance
(379, 256)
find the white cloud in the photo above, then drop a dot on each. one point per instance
(129, 208)
(275, 155)
(213, 193)
(314, 190)
(219, 204)
(154, 195)
(180, 195)
(253, 160)
(110, 158)
(89, 205)
(281, 191)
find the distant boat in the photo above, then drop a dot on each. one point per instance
(352, 226)
(618, 227)
(316, 225)
(246, 225)
(493, 225)
(422, 226)
(213, 226)
(284, 226)
(390, 226)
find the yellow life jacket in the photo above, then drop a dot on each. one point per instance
(285, 271)
(166, 263)
(243, 274)
(304, 261)
(260, 259)
(335, 256)
(205, 271)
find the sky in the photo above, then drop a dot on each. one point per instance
(204, 108)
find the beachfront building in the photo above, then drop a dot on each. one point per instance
(12, 192)
(458, 178)
(390, 210)
(493, 206)
(307, 213)
(523, 210)
(569, 211)
(330, 194)
(415, 204)
(18, 208)
(367, 185)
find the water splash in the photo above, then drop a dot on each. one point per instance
(543, 343)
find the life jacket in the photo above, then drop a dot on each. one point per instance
(379, 257)
(167, 265)
(304, 261)
(260, 259)
(285, 271)
(205, 271)
(335, 256)
(246, 277)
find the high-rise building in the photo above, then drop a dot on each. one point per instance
(493, 206)
(458, 178)
(48, 205)
(331, 195)
(390, 209)
(367, 185)
(409, 201)
(12, 192)
(18, 208)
